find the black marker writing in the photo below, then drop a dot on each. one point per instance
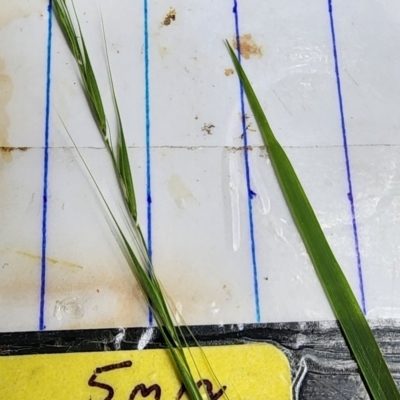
(144, 391)
(209, 389)
(92, 380)
(153, 390)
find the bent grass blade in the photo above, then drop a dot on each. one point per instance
(355, 327)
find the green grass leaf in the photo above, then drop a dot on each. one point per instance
(358, 334)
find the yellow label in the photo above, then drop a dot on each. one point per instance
(245, 372)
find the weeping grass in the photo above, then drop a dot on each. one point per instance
(133, 245)
(357, 332)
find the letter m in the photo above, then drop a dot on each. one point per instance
(145, 392)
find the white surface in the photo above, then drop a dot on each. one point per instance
(201, 241)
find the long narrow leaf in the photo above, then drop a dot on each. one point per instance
(343, 302)
(139, 261)
(151, 289)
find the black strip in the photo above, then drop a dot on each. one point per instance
(321, 364)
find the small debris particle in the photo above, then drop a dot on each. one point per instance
(196, 117)
(249, 128)
(229, 71)
(208, 128)
(248, 46)
(266, 278)
(171, 16)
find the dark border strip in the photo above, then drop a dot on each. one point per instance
(148, 152)
(42, 325)
(250, 192)
(292, 335)
(321, 363)
(347, 158)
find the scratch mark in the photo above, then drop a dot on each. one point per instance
(283, 104)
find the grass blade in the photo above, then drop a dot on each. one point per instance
(139, 262)
(123, 163)
(358, 334)
(151, 289)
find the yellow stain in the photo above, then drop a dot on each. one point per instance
(249, 372)
(49, 259)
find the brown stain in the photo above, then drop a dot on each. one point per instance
(228, 71)
(239, 148)
(6, 152)
(110, 298)
(227, 291)
(6, 89)
(10, 12)
(53, 261)
(194, 303)
(11, 149)
(171, 16)
(208, 128)
(248, 46)
(129, 306)
(6, 155)
(13, 10)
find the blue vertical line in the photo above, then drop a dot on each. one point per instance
(148, 152)
(347, 158)
(42, 325)
(250, 192)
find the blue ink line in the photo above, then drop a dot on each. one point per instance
(148, 153)
(42, 326)
(250, 193)
(346, 154)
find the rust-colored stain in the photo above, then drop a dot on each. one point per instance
(53, 261)
(6, 89)
(248, 47)
(5, 149)
(229, 71)
(171, 16)
(6, 152)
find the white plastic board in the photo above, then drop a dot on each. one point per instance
(222, 240)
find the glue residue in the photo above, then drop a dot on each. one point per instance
(234, 185)
(179, 191)
(70, 307)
